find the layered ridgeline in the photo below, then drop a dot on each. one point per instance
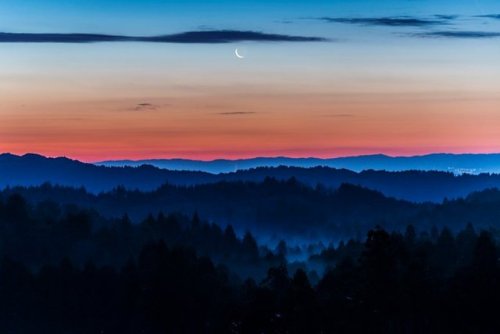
(420, 186)
(275, 210)
(454, 163)
(129, 261)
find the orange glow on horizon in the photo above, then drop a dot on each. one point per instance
(238, 126)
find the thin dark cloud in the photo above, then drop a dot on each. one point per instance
(459, 34)
(60, 38)
(446, 17)
(235, 113)
(145, 107)
(209, 37)
(285, 21)
(491, 16)
(228, 36)
(396, 21)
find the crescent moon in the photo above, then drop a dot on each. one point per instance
(237, 54)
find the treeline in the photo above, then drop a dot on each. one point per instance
(288, 208)
(396, 283)
(46, 233)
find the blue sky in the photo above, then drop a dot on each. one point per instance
(160, 16)
(392, 78)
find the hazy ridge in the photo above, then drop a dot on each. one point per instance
(455, 163)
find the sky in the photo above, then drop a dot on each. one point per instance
(160, 79)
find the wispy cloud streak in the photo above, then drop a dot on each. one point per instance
(459, 34)
(491, 16)
(396, 21)
(209, 37)
(235, 113)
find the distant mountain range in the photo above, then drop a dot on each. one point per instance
(454, 163)
(419, 186)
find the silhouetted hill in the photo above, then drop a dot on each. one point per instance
(416, 186)
(33, 169)
(454, 163)
(279, 209)
(268, 208)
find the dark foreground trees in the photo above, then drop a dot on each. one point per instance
(399, 283)
(165, 291)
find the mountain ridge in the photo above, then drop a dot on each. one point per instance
(416, 186)
(468, 163)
